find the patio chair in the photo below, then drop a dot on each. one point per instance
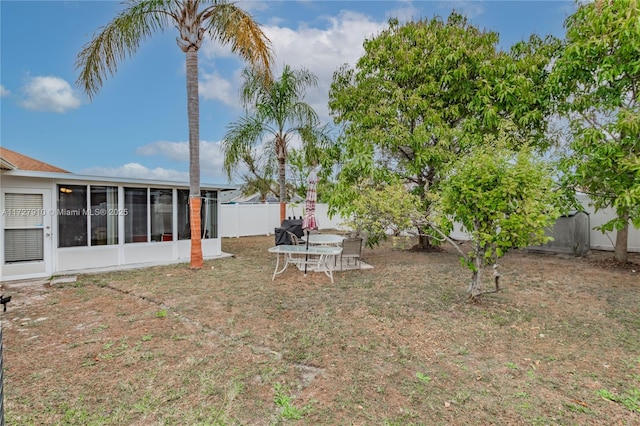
(351, 250)
(295, 241)
(296, 259)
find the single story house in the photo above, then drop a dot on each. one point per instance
(55, 222)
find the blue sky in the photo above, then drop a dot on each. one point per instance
(136, 126)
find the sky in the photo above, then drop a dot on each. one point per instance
(136, 125)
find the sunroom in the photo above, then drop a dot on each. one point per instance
(56, 223)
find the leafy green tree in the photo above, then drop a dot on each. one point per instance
(423, 94)
(632, 165)
(597, 79)
(504, 199)
(384, 210)
(276, 112)
(220, 20)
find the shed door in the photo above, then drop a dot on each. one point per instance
(27, 233)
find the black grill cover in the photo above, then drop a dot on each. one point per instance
(282, 238)
(292, 225)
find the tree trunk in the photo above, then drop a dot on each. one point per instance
(283, 211)
(475, 286)
(424, 242)
(193, 112)
(282, 182)
(620, 253)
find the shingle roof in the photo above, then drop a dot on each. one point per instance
(12, 160)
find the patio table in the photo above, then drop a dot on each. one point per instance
(317, 258)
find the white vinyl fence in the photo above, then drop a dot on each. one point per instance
(600, 241)
(241, 220)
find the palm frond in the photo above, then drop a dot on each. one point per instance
(232, 26)
(120, 39)
(279, 106)
(302, 112)
(239, 139)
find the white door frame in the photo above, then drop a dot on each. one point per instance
(29, 269)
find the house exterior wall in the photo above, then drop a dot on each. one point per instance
(60, 260)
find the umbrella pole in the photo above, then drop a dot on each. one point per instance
(306, 254)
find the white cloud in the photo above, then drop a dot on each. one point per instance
(214, 87)
(138, 171)
(4, 92)
(211, 154)
(48, 93)
(176, 151)
(211, 161)
(212, 50)
(211, 157)
(323, 50)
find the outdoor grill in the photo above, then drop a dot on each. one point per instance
(292, 225)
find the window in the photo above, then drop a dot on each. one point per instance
(104, 217)
(23, 233)
(161, 214)
(72, 215)
(23, 245)
(135, 224)
(88, 215)
(208, 214)
(184, 230)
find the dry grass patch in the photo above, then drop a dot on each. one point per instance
(394, 345)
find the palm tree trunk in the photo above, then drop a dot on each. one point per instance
(283, 188)
(193, 112)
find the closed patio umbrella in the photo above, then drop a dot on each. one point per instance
(309, 221)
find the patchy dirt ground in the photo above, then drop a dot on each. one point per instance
(396, 345)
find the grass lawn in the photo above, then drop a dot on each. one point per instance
(394, 345)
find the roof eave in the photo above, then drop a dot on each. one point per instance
(108, 179)
(7, 165)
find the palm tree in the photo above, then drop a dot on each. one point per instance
(275, 112)
(258, 176)
(195, 20)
